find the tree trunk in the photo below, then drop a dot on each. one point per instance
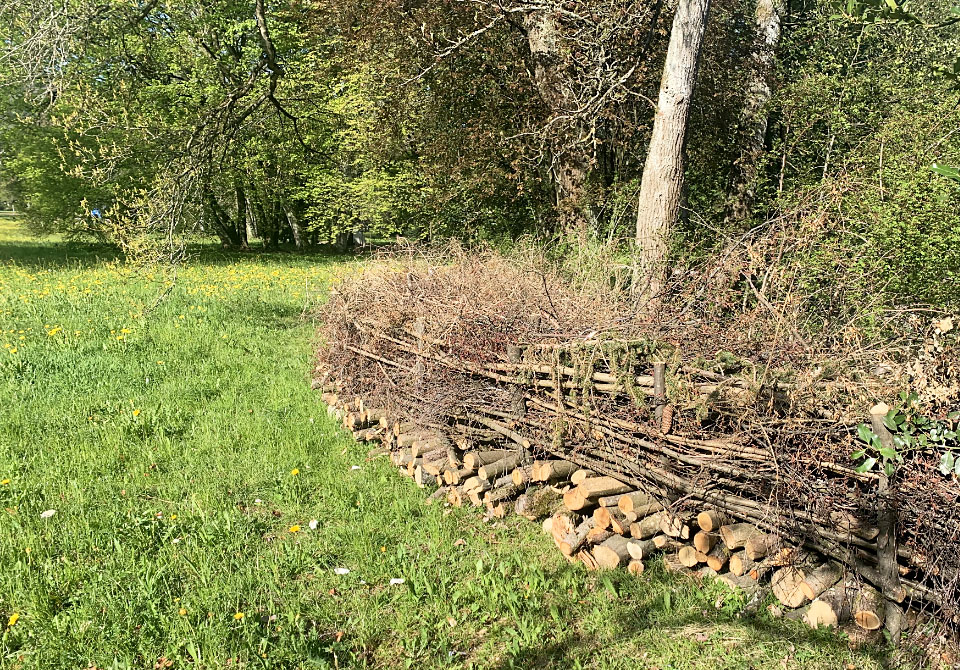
(662, 185)
(295, 228)
(753, 122)
(569, 162)
(241, 224)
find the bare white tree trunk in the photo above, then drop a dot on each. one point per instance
(769, 14)
(662, 185)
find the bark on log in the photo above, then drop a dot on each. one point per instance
(647, 526)
(736, 535)
(869, 608)
(704, 541)
(612, 553)
(575, 539)
(758, 546)
(553, 471)
(821, 579)
(718, 557)
(538, 502)
(641, 549)
(785, 583)
(475, 459)
(832, 607)
(499, 467)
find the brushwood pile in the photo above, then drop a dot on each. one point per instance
(704, 425)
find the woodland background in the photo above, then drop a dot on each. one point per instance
(294, 122)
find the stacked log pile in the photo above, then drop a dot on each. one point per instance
(626, 448)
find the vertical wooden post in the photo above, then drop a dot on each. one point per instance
(659, 389)
(887, 539)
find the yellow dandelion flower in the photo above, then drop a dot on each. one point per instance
(183, 612)
(14, 618)
(4, 482)
(173, 516)
(54, 331)
(295, 472)
(136, 412)
(295, 528)
(238, 616)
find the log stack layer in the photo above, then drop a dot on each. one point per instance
(627, 448)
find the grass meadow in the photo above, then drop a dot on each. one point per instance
(173, 495)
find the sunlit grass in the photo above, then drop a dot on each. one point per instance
(202, 501)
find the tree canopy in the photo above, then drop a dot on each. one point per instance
(139, 121)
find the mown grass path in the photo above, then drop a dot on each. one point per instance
(171, 429)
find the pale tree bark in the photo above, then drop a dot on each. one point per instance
(754, 120)
(661, 188)
(294, 222)
(569, 164)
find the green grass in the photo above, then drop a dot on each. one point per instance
(165, 422)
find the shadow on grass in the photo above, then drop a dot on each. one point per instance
(631, 620)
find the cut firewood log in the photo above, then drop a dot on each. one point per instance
(580, 475)
(613, 519)
(377, 452)
(401, 427)
(675, 526)
(522, 475)
(502, 466)
(821, 579)
(547, 525)
(589, 490)
(538, 502)
(597, 535)
(503, 493)
(423, 478)
(627, 502)
(601, 517)
(666, 544)
(475, 459)
(704, 541)
(612, 552)
(785, 583)
(454, 457)
(455, 496)
(758, 546)
(672, 564)
(641, 549)
(597, 487)
(640, 511)
(847, 523)
(687, 555)
(586, 557)
(740, 565)
(736, 535)
(575, 539)
(453, 477)
(473, 482)
(833, 606)
(647, 526)
(868, 608)
(405, 440)
(553, 471)
(563, 524)
(718, 557)
(635, 567)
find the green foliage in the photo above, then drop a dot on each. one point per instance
(913, 435)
